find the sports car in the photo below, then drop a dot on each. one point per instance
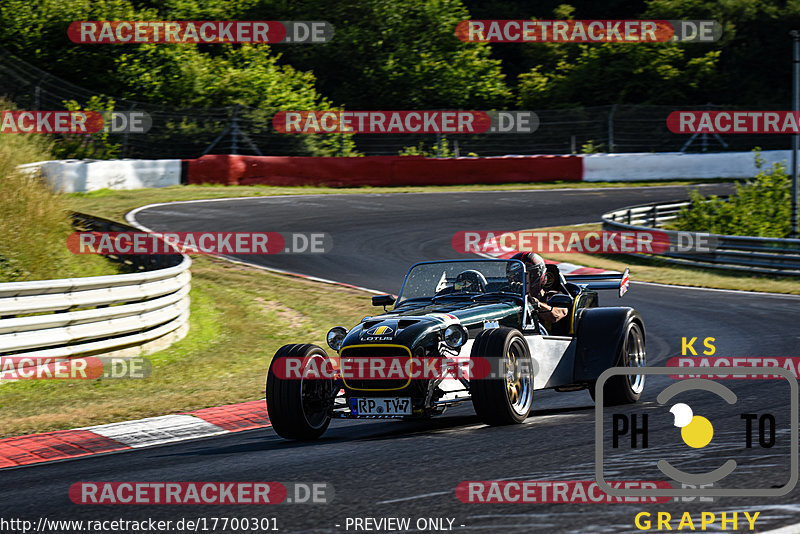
(460, 331)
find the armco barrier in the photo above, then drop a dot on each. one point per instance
(99, 314)
(740, 253)
(380, 170)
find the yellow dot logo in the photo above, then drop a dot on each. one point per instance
(696, 430)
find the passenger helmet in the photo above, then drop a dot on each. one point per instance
(535, 269)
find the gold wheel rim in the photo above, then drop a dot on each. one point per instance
(513, 382)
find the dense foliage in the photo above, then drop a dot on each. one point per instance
(760, 207)
(392, 55)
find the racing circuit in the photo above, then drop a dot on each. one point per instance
(403, 469)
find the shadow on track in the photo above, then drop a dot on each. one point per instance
(265, 439)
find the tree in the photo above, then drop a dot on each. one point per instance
(398, 55)
(607, 73)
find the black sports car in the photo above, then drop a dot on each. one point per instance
(460, 330)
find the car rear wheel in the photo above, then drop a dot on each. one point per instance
(506, 399)
(299, 406)
(626, 389)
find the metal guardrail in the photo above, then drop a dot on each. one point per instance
(99, 314)
(741, 253)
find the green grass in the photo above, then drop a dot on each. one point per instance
(34, 223)
(114, 204)
(239, 317)
(652, 269)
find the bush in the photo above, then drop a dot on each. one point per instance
(443, 150)
(760, 207)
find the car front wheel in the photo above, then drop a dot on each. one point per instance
(299, 406)
(506, 398)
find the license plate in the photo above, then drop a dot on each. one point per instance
(380, 405)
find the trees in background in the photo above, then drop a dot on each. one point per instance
(387, 54)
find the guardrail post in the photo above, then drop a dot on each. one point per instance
(611, 146)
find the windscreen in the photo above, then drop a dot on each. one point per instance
(426, 280)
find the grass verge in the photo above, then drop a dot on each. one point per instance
(651, 269)
(34, 221)
(239, 317)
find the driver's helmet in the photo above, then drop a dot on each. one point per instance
(535, 269)
(470, 281)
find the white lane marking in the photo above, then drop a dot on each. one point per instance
(789, 529)
(422, 496)
(739, 291)
(317, 195)
(157, 430)
(300, 275)
(130, 217)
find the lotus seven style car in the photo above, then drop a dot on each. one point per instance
(460, 330)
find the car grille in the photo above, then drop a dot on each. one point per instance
(372, 351)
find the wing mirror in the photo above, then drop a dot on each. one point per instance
(560, 301)
(383, 300)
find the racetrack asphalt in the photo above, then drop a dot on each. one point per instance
(411, 469)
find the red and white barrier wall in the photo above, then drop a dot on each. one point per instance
(380, 170)
(418, 170)
(77, 175)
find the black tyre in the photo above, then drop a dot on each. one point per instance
(508, 399)
(299, 408)
(626, 389)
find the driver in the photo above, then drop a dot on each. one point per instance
(470, 281)
(535, 270)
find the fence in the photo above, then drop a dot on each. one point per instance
(741, 253)
(148, 306)
(191, 132)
